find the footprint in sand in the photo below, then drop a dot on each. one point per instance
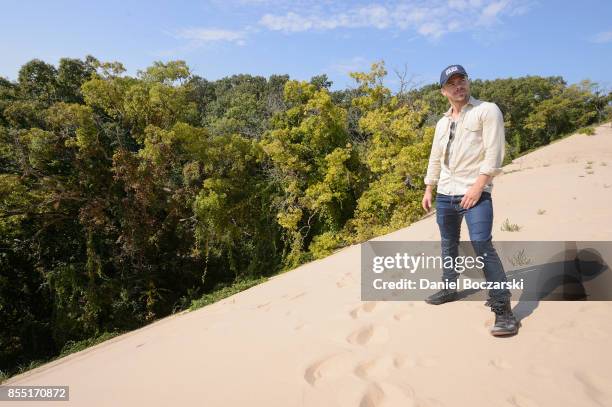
(595, 387)
(373, 396)
(369, 334)
(387, 395)
(329, 368)
(402, 315)
(264, 306)
(519, 400)
(500, 363)
(301, 326)
(295, 297)
(346, 279)
(364, 308)
(401, 361)
(377, 368)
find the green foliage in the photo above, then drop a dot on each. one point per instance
(220, 293)
(73, 347)
(71, 75)
(312, 166)
(326, 243)
(168, 74)
(395, 153)
(589, 130)
(38, 81)
(241, 104)
(560, 114)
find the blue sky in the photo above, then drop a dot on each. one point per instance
(490, 38)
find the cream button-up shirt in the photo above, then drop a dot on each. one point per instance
(477, 148)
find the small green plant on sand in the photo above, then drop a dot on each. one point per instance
(509, 227)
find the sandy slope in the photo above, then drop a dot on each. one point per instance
(305, 339)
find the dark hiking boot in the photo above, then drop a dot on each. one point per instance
(505, 322)
(441, 297)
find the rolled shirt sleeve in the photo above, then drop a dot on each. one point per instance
(494, 140)
(434, 167)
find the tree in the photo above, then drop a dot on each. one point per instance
(311, 164)
(38, 81)
(396, 155)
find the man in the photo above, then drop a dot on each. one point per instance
(467, 152)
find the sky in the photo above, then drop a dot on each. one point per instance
(417, 39)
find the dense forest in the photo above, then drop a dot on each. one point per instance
(123, 199)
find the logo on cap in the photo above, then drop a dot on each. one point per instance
(451, 70)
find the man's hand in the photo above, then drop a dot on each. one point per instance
(427, 198)
(471, 197)
(473, 194)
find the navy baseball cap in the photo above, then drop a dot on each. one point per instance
(450, 71)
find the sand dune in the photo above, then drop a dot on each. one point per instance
(304, 338)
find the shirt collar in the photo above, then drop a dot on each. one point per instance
(472, 102)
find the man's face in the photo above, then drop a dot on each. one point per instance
(457, 88)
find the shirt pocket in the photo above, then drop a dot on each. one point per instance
(472, 130)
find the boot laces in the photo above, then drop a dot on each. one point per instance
(499, 307)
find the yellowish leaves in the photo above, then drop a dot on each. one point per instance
(166, 73)
(371, 85)
(289, 218)
(298, 93)
(107, 94)
(325, 244)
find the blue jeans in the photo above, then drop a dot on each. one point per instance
(479, 219)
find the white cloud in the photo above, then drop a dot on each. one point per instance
(369, 16)
(206, 35)
(431, 29)
(490, 13)
(375, 16)
(432, 19)
(602, 37)
(195, 38)
(289, 22)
